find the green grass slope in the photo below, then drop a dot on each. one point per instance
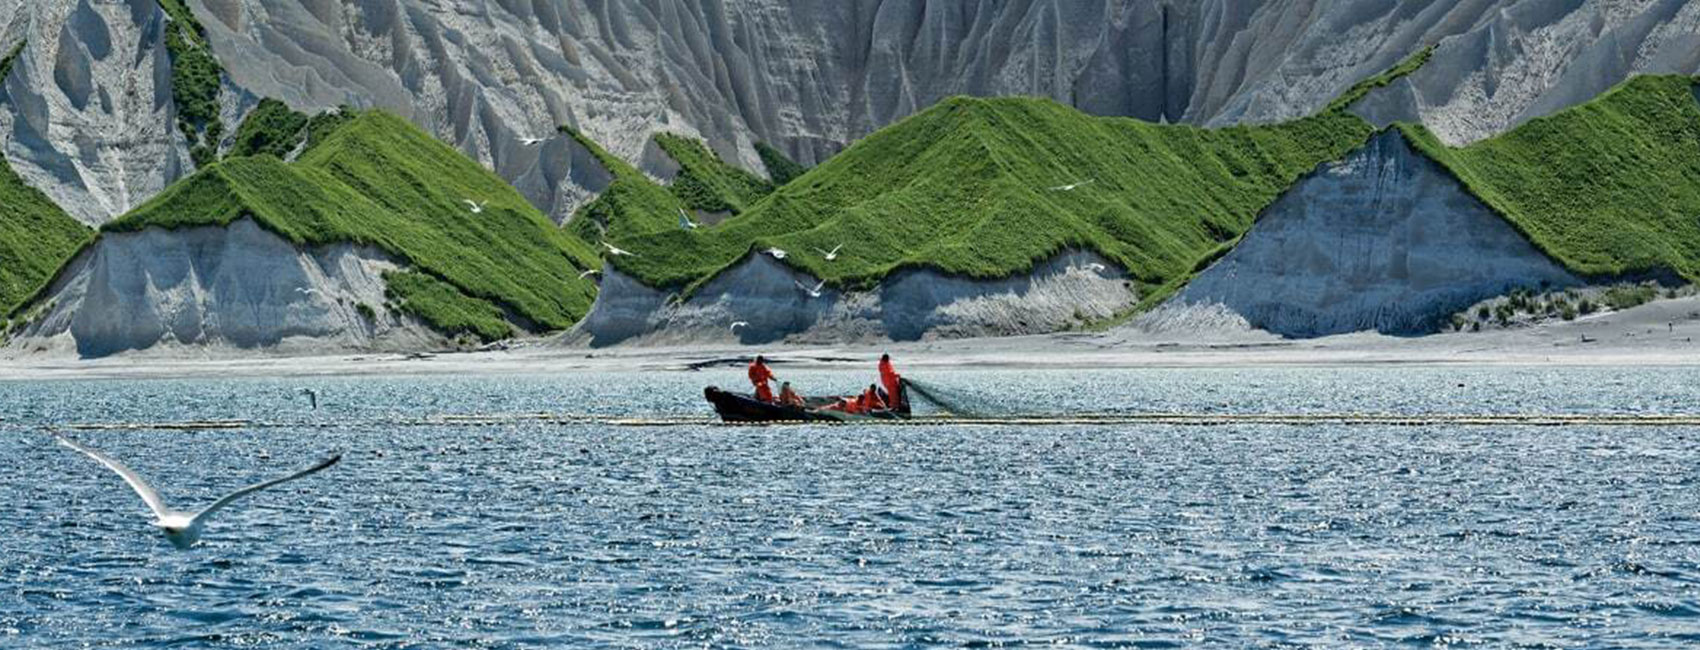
(36, 238)
(1609, 187)
(707, 183)
(632, 205)
(780, 167)
(378, 180)
(195, 80)
(966, 187)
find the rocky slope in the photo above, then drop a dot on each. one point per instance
(809, 77)
(239, 287)
(86, 114)
(1383, 240)
(774, 303)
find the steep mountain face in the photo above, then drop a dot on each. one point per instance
(89, 117)
(86, 113)
(813, 76)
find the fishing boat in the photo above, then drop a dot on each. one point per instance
(744, 407)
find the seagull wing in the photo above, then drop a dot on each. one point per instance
(835, 249)
(228, 498)
(156, 504)
(469, 202)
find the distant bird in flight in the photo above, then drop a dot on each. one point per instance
(1095, 267)
(686, 223)
(1071, 186)
(612, 250)
(183, 529)
(776, 253)
(307, 291)
(588, 272)
(312, 396)
(832, 254)
(738, 324)
(530, 141)
(476, 208)
(813, 293)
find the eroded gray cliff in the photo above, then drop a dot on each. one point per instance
(1383, 240)
(773, 302)
(239, 287)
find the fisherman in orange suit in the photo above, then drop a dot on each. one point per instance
(870, 400)
(892, 381)
(759, 376)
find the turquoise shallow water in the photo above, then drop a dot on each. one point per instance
(531, 534)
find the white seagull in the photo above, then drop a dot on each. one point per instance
(813, 293)
(738, 324)
(1070, 186)
(307, 291)
(776, 253)
(183, 529)
(530, 141)
(476, 208)
(1096, 267)
(588, 272)
(832, 254)
(686, 223)
(612, 250)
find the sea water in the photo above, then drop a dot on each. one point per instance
(519, 532)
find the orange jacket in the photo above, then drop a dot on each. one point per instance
(870, 400)
(789, 397)
(891, 381)
(759, 373)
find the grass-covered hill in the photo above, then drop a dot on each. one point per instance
(1609, 187)
(378, 180)
(36, 238)
(977, 187)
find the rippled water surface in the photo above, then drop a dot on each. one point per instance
(534, 534)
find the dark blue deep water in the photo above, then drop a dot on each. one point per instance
(534, 534)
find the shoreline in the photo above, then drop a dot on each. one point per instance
(1661, 333)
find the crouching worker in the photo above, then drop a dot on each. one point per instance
(870, 400)
(788, 397)
(759, 376)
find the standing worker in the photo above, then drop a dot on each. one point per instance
(759, 376)
(892, 381)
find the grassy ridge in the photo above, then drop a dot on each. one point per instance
(1608, 187)
(380, 181)
(966, 187)
(444, 306)
(707, 183)
(36, 238)
(631, 205)
(1362, 88)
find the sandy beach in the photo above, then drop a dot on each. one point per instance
(1658, 333)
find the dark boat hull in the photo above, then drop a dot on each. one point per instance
(740, 407)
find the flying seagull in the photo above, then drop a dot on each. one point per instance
(832, 254)
(1096, 267)
(530, 141)
(588, 272)
(686, 223)
(476, 208)
(612, 250)
(306, 290)
(813, 293)
(183, 529)
(312, 395)
(1070, 186)
(776, 253)
(738, 324)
